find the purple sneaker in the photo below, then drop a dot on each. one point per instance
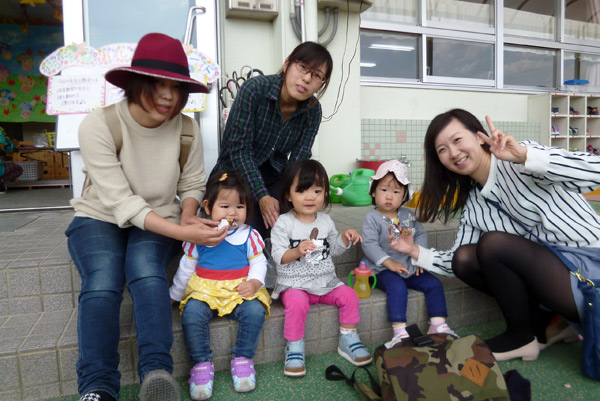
(243, 374)
(201, 381)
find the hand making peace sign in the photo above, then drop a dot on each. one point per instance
(502, 145)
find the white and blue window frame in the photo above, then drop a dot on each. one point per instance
(488, 50)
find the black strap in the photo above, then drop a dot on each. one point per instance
(417, 336)
(333, 373)
(414, 331)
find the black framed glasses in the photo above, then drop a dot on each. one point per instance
(316, 76)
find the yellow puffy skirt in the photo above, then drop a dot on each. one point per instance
(221, 295)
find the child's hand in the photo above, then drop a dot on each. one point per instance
(419, 271)
(351, 235)
(395, 266)
(306, 246)
(248, 288)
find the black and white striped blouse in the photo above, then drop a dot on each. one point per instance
(544, 195)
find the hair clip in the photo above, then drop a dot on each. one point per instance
(223, 177)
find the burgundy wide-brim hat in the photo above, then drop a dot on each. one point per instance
(157, 55)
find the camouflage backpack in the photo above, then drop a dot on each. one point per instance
(439, 367)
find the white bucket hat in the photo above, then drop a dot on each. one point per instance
(400, 171)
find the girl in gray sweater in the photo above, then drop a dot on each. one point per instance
(390, 189)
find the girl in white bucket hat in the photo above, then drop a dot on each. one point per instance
(390, 188)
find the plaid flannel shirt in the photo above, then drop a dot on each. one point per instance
(255, 132)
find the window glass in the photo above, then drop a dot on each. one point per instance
(582, 19)
(132, 21)
(460, 59)
(528, 66)
(473, 13)
(393, 10)
(531, 18)
(388, 55)
(584, 67)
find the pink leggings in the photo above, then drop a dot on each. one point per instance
(297, 303)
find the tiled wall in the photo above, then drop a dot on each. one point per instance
(390, 139)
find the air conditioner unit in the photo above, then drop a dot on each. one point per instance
(265, 10)
(343, 5)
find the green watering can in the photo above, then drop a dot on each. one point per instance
(354, 190)
(338, 180)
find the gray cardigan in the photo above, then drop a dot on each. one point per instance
(375, 244)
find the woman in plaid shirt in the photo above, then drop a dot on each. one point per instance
(273, 121)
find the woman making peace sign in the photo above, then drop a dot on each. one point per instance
(510, 194)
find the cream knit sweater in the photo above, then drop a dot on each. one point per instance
(144, 177)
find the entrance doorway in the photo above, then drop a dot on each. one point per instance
(28, 34)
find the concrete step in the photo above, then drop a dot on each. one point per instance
(39, 287)
(39, 350)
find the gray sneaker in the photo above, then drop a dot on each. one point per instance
(159, 385)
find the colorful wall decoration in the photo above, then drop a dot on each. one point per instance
(85, 89)
(22, 87)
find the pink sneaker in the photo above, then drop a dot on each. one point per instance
(441, 329)
(243, 374)
(201, 381)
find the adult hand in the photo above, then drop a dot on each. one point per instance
(502, 145)
(405, 244)
(187, 220)
(269, 209)
(249, 288)
(205, 233)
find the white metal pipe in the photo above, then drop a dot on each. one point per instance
(302, 22)
(312, 15)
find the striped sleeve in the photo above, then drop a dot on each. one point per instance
(256, 257)
(574, 171)
(189, 250)
(440, 262)
(256, 244)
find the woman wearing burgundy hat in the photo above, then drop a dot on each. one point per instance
(274, 121)
(137, 204)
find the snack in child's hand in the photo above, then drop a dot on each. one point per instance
(314, 257)
(404, 231)
(393, 226)
(227, 222)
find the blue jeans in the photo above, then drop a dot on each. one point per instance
(196, 316)
(107, 257)
(396, 288)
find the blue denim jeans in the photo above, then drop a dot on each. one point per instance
(108, 257)
(396, 288)
(196, 316)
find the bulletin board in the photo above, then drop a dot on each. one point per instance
(22, 87)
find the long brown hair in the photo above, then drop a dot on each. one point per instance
(441, 186)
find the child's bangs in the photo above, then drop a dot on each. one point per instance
(307, 177)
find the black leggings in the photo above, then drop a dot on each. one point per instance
(520, 274)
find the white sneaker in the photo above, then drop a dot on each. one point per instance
(396, 339)
(441, 329)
